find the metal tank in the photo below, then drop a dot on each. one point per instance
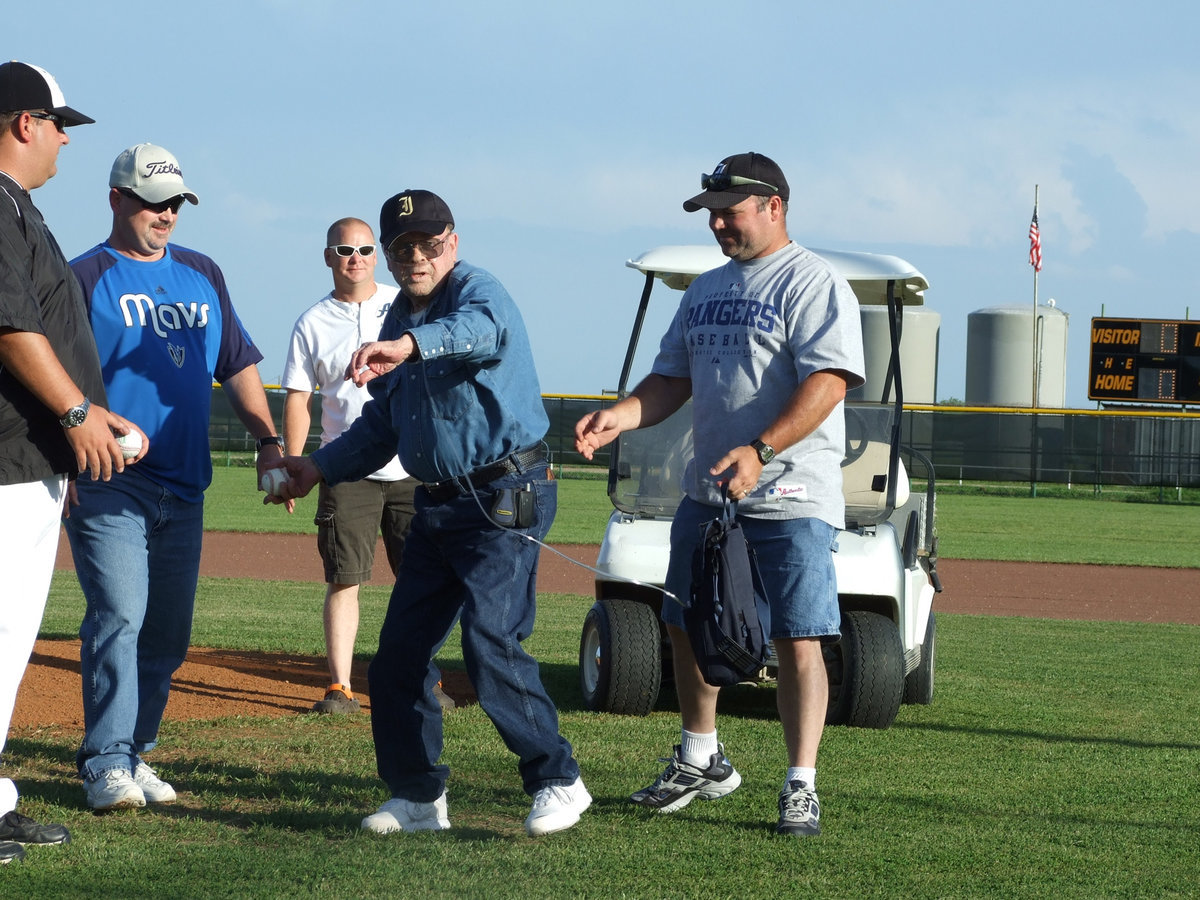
(918, 354)
(1000, 343)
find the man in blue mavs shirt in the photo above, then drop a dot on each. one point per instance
(165, 329)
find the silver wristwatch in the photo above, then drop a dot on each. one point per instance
(765, 452)
(76, 414)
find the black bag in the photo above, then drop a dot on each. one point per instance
(726, 615)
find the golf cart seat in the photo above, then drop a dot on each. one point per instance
(864, 484)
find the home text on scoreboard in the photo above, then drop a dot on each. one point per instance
(1145, 361)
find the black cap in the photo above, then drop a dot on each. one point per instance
(422, 211)
(24, 86)
(720, 192)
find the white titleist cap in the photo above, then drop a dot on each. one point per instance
(150, 172)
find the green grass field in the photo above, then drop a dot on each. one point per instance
(1041, 529)
(1057, 759)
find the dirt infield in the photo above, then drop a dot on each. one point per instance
(213, 683)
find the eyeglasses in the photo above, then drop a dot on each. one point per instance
(721, 181)
(430, 249)
(172, 204)
(349, 249)
(59, 122)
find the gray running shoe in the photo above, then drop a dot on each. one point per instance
(680, 783)
(154, 789)
(399, 814)
(799, 811)
(115, 789)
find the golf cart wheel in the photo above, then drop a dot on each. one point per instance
(866, 672)
(620, 657)
(918, 684)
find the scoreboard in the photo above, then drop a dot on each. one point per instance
(1145, 361)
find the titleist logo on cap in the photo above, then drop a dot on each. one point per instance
(162, 167)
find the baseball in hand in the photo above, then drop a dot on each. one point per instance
(273, 481)
(131, 444)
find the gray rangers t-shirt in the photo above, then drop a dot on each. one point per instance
(747, 334)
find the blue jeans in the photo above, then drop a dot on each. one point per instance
(137, 553)
(457, 563)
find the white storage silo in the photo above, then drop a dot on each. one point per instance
(1000, 342)
(918, 354)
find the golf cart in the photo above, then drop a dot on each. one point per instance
(886, 562)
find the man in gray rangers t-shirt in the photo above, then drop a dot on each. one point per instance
(766, 346)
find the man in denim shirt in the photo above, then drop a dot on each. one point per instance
(455, 395)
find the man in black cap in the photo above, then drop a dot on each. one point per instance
(456, 396)
(52, 397)
(766, 346)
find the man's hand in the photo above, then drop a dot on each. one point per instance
(303, 476)
(120, 426)
(378, 358)
(96, 448)
(595, 430)
(743, 468)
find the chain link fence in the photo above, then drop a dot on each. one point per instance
(1072, 448)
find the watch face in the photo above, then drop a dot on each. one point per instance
(75, 416)
(766, 452)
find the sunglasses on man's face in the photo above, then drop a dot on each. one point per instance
(59, 122)
(430, 249)
(172, 204)
(348, 250)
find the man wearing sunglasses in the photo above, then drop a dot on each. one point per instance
(53, 421)
(455, 393)
(766, 347)
(166, 329)
(349, 515)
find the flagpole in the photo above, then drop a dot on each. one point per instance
(1036, 267)
(1035, 259)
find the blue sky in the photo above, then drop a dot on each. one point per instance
(565, 136)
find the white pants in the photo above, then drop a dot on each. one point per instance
(30, 516)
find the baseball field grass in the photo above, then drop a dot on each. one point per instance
(1057, 759)
(970, 526)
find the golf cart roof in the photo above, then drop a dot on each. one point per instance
(868, 273)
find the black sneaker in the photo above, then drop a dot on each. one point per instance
(799, 811)
(338, 701)
(680, 783)
(23, 830)
(10, 851)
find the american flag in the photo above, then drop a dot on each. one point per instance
(1035, 243)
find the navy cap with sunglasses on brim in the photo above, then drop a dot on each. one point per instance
(737, 177)
(421, 211)
(24, 86)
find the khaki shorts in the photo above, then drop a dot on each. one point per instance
(350, 517)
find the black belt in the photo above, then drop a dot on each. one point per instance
(521, 461)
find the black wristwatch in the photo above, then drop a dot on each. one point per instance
(269, 439)
(76, 414)
(765, 452)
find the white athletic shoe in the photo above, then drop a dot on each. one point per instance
(154, 789)
(399, 814)
(557, 808)
(115, 789)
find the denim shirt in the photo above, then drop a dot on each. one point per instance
(468, 397)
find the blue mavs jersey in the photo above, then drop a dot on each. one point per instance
(165, 330)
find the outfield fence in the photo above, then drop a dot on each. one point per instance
(1115, 447)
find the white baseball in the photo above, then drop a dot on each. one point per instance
(131, 444)
(273, 481)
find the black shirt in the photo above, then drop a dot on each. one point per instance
(39, 293)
